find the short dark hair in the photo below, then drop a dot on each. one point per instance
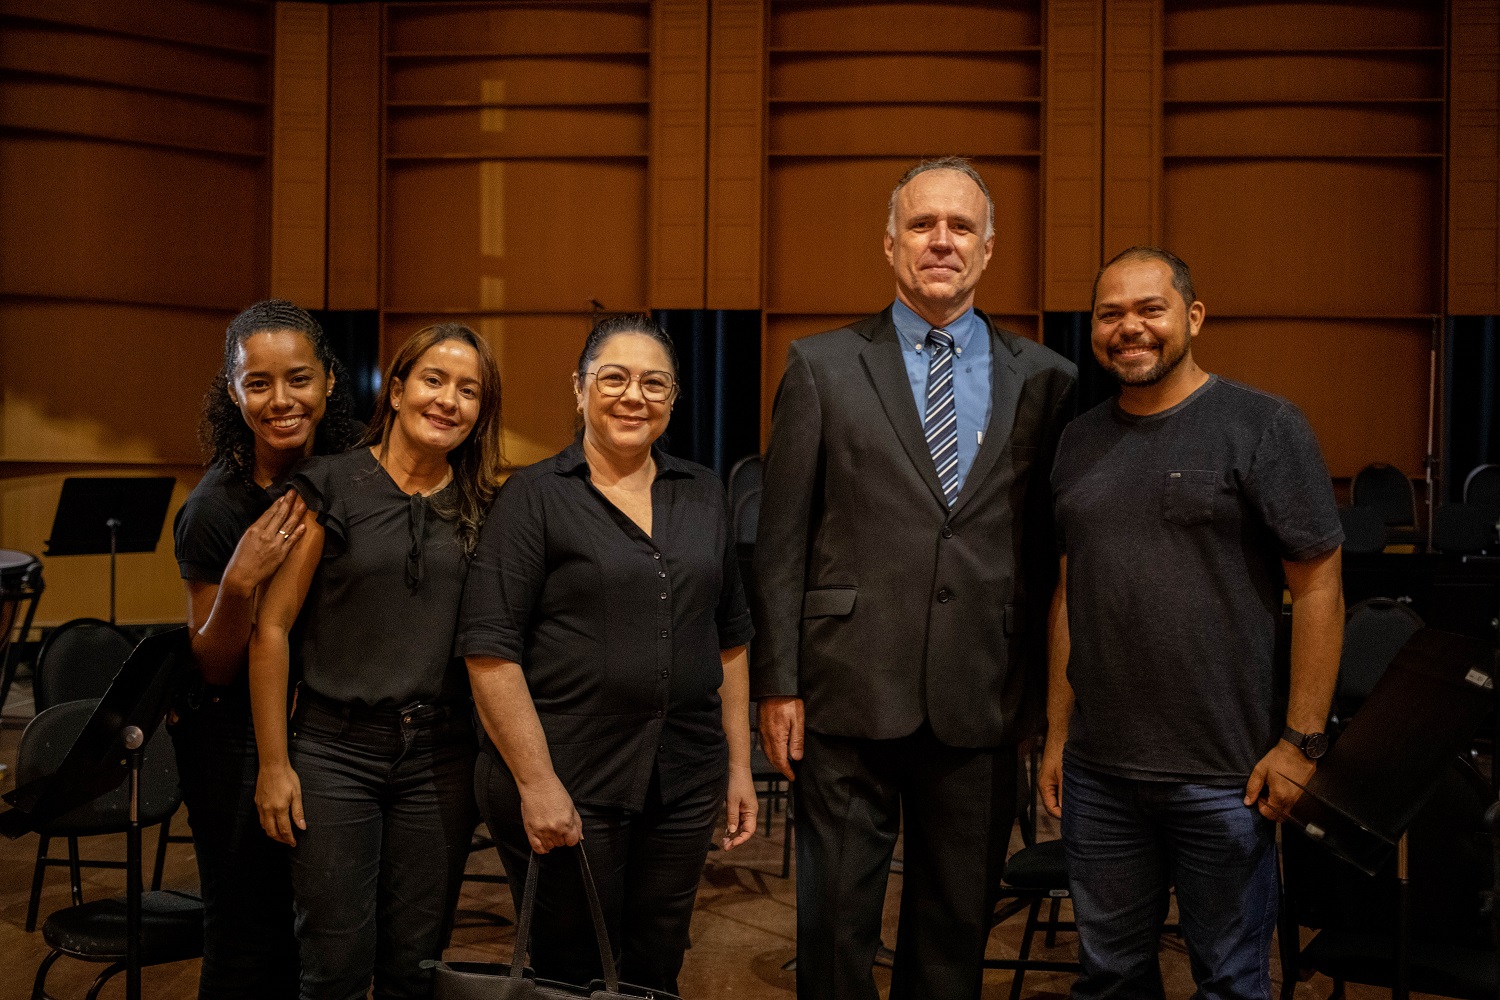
(955, 163)
(1182, 278)
(612, 326)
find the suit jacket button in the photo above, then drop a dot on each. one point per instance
(947, 531)
(944, 597)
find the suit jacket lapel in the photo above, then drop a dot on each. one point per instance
(887, 370)
(1005, 394)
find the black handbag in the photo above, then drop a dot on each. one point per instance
(479, 981)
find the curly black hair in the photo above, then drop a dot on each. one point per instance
(223, 433)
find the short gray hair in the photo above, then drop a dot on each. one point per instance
(957, 163)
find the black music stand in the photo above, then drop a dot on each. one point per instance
(110, 514)
(1422, 713)
(107, 751)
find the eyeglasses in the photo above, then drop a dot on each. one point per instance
(613, 380)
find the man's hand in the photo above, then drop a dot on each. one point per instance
(549, 817)
(1279, 773)
(781, 732)
(1049, 777)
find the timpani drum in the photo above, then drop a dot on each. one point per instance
(20, 588)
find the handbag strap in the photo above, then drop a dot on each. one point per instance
(596, 913)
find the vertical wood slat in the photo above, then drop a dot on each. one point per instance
(1071, 157)
(354, 62)
(1474, 159)
(299, 154)
(679, 128)
(1132, 206)
(736, 143)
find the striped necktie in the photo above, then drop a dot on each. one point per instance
(941, 420)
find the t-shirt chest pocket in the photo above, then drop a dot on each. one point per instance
(1188, 496)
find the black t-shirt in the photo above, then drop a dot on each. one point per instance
(1175, 525)
(618, 632)
(377, 624)
(208, 527)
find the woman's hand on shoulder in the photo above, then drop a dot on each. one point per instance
(265, 544)
(741, 808)
(278, 799)
(550, 819)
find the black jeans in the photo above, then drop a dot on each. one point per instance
(646, 866)
(389, 804)
(245, 877)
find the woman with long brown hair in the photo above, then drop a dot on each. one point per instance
(373, 790)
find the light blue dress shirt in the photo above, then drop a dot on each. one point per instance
(971, 374)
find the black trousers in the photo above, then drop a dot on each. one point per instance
(851, 796)
(249, 950)
(646, 865)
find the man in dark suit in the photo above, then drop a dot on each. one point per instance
(904, 564)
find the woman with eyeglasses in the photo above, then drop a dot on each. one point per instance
(373, 787)
(604, 626)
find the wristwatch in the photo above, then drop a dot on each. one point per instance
(1312, 745)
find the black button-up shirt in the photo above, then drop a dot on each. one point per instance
(618, 632)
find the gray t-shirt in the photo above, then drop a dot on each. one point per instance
(1175, 525)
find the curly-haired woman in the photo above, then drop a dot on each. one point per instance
(279, 398)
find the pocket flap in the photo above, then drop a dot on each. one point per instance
(828, 601)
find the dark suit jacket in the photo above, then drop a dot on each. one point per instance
(874, 602)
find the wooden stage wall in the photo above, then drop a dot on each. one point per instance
(1330, 168)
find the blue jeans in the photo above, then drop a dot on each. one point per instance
(1127, 842)
(389, 801)
(249, 950)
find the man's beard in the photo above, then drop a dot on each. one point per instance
(1164, 366)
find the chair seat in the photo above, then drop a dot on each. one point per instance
(1437, 967)
(171, 928)
(1041, 866)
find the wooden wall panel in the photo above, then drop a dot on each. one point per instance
(1474, 160)
(1361, 383)
(736, 145)
(1072, 161)
(679, 141)
(1132, 213)
(299, 162)
(134, 184)
(354, 156)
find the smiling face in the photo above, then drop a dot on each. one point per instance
(1142, 329)
(437, 403)
(281, 389)
(938, 249)
(628, 424)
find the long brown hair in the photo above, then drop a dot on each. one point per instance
(477, 462)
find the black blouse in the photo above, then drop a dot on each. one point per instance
(377, 624)
(618, 632)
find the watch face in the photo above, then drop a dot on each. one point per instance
(1315, 745)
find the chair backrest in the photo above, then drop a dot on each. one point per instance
(747, 518)
(1482, 486)
(745, 476)
(46, 741)
(1387, 489)
(1374, 633)
(78, 661)
(1364, 529)
(1463, 528)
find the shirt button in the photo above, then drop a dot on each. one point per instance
(663, 633)
(656, 555)
(944, 597)
(662, 573)
(664, 675)
(664, 595)
(947, 531)
(658, 713)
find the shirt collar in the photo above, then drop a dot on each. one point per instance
(571, 460)
(912, 329)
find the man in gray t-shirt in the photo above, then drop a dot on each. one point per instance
(1182, 509)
